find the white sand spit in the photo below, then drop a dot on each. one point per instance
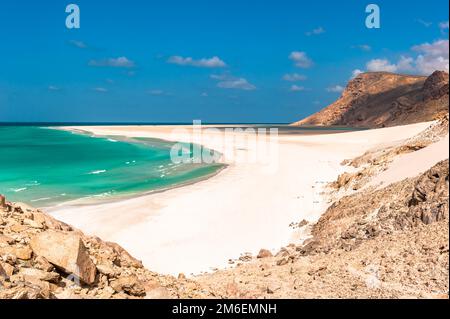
(242, 209)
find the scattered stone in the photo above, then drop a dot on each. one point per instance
(264, 253)
(43, 264)
(6, 270)
(39, 274)
(129, 284)
(246, 257)
(271, 289)
(6, 240)
(283, 261)
(303, 223)
(17, 228)
(19, 252)
(107, 270)
(33, 224)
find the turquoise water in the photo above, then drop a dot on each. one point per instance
(45, 167)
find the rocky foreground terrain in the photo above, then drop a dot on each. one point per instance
(41, 257)
(372, 242)
(379, 99)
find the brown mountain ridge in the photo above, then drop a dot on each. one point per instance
(381, 99)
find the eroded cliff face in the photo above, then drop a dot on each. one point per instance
(382, 99)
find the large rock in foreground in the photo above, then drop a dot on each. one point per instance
(41, 257)
(67, 252)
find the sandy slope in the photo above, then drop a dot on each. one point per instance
(412, 164)
(242, 209)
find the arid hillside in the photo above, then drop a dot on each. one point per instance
(382, 99)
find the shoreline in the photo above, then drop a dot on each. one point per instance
(225, 216)
(89, 201)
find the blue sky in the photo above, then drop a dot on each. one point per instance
(217, 61)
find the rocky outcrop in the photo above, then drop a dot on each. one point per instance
(398, 207)
(380, 99)
(41, 257)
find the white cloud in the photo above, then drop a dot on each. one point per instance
(315, 31)
(432, 57)
(100, 90)
(214, 62)
(227, 81)
(238, 83)
(405, 64)
(219, 76)
(301, 59)
(380, 65)
(437, 48)
(428, 58)
(296, 88)
(443, 26)
(426, 24)
(336, 89)
(362, 47)
(204, 94)
(53, 88)
(156, 92)
(356, 72)
(120, 62)
(294, 77)
(78, 44)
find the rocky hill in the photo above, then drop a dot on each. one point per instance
(382, 99)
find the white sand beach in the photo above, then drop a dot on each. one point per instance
(243, 208)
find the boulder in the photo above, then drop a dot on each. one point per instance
(6, 240)
(18, 228)
(6, 270)
(21, 293)
(67, 252)
(126, 260)
(33, 274)
(128, 284)
(264, 253)
(107, 270)
(33, 223)
(20, 252)
(42, 264)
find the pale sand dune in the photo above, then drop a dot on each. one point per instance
(412, 164)
(242, 209)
